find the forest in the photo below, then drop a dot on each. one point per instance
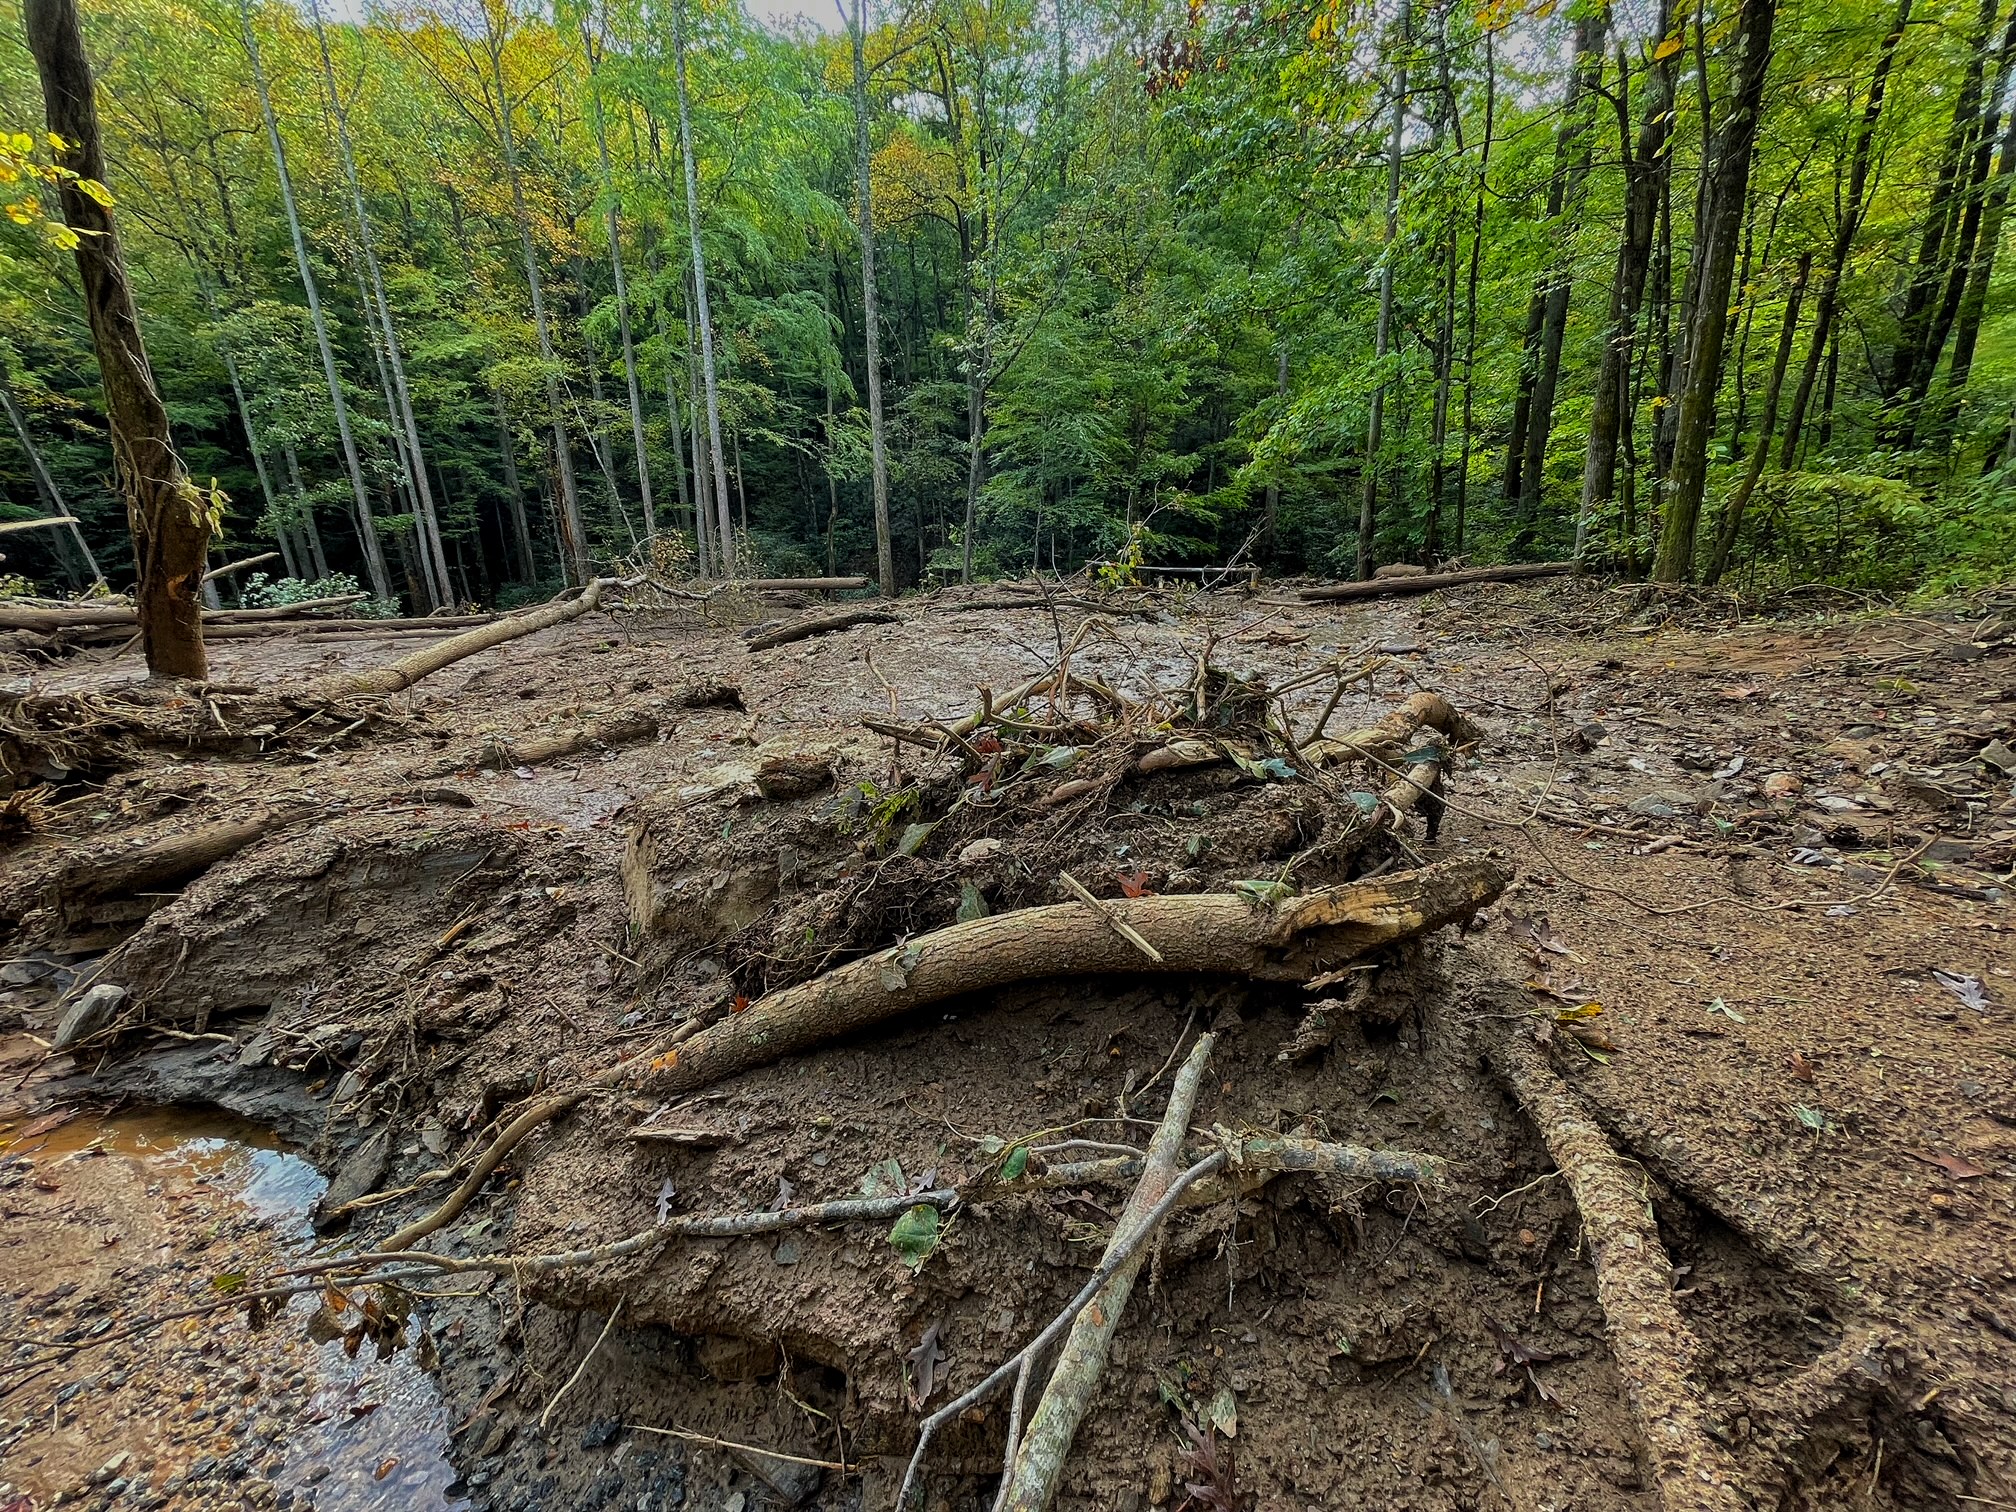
(461, 299)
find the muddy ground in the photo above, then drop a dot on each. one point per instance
(1776, 850)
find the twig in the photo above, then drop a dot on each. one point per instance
(1039, 1458)
(579, 1370)
(1121, 927)
(720, 1443)
(1035, 1347)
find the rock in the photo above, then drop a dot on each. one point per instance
(111, 1468)
(794, 1484)
(1586, 738)
(979, 853)
(602, 1433)
(88, 1015)
(731, 1358)
(1782, 785)
(355, 1178)
(1663, 806)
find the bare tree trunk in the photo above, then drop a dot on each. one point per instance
(1731, 524)
(1550, 298)
(612, 218)
(1646, 165)
(1368, 506)
(433, 560)
(725, 525)
(1826, 302)
(1470, 291)
(45, 482)
(1728, 184)
(170, 520)
(871, 317)
(514, 495)
(367, 525)
(704, 513)
(1974, 301)
(574, 565)
(310, 531)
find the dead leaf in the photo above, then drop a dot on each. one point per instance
(1513, 1349)
(1800, 1067)
(386, 1466)
(666, 1192)
(785, 1194)
(1952, 1165)
(47, 1122)
(925, 1361)
(1135, 886)
(1966, 988)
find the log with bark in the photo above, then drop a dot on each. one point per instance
(820, 624)
(1516, 572)
(497, 753)
(1220, 933)
(93, 616)
(229, 568)
(801, 585)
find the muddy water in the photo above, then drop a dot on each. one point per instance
(306, 1425)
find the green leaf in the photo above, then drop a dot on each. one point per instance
(228, 1282)
(914, 836)
(1016, 1163)
(1225, 1412)
(972, 904)
(915, 1235)
(885, 1178)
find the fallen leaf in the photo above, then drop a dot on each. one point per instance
(1135, 886)
(666, 1192)
(386, 1466)
(915, 1235)
(47, 1122)
(785, 1194)
(1224, 1412)
(925, 1362)
(1718, 1006)
(885, 1178)
(1800, 1067)
(1952, 1165)
(1966, 988)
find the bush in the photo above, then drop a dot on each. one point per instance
(260, 592)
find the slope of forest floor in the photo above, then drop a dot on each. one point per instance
(1774, 851)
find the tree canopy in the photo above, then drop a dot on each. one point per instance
(1696, 290)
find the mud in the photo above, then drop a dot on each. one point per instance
(1826, 1129)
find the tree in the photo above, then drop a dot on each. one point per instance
(871, 313)
(170, 519)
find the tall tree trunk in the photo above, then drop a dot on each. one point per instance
(574, 565)
(885, 553)
(1826, 301)
(1974, 301)
(367, 525)
(725, 524)
(1368, 503)
(45, 482)
(1470, 289)
(1717, 237)
(1936, 237)
(1270, 520)
(1645, 166)
(310, 531)
(1547, 320)
(612, 218)
(514, 495)
(170, 520)
(440, 591)
(1732, 512)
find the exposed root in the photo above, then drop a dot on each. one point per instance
(1654, 1349)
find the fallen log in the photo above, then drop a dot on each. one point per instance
(25, 617)
(119, 869)
(1515, 572)
(1038, 1460)
(1654, 1350)
(495, 753)
(410, 669)
(820, 624)
(1220, 933)
(802, 585)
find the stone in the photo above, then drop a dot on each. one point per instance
(1779, 785)
(602, 1433)
(110, 1469)
(794, 1484)
(1662, 806)
(356, 1177)
(979, 853)
(88, 1015)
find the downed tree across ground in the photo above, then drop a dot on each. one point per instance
(1428, 582)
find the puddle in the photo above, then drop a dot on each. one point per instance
(360, 1435)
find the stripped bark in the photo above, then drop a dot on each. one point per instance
(409, 670)
(1039, 1458)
